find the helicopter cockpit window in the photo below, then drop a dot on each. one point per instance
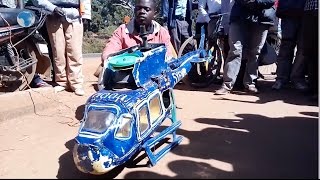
(155, 108)
(124, 130)
(98, 121)
(143, 119)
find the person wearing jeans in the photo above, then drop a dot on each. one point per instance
(249, 24)
(290, 67)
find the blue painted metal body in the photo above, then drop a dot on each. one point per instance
(115, 128)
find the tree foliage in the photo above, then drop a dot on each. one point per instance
(107, 15)
(111, 13)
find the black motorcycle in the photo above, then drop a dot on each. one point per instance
(23, 50)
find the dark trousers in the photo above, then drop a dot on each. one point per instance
(198, 31)
(310, 48)
(179, 34)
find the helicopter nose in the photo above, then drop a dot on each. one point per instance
(93, 160)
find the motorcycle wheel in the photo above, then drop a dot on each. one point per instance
(25, 49)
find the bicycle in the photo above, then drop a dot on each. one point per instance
(204, 73)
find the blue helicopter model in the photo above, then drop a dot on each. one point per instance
(135, 97)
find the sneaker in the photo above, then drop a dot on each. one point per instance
(59, 88)
(277, 85)
(252, 89)
(300, 86)
(79, 92)
(222, 91)
(42, 84)
(38, 82)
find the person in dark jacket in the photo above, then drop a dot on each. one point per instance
(290, 67)
(249, 24)
(176, 15)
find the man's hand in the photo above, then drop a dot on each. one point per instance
(58, 11)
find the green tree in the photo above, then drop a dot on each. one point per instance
(107, 15)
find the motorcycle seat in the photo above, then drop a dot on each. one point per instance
(9, 16)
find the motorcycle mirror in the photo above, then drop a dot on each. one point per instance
(26, 18)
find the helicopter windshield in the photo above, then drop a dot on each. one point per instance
(98, 119)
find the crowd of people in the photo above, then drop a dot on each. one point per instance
(244, 28)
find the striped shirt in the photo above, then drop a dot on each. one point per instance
(311, 5)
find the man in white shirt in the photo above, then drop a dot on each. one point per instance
(65, 30)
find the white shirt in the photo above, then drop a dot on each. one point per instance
(214, 6)
(71, 14)
(181, 8)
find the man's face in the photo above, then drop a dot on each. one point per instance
(144, 12)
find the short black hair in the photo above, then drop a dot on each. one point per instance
(153, 4)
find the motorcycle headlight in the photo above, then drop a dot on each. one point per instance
(98, 121)
(124, 129)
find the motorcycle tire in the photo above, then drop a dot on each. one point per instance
(26, 49)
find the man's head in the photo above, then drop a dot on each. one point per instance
(144, 11)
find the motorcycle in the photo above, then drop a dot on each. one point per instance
(23, 49)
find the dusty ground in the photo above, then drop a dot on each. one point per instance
(270, 135)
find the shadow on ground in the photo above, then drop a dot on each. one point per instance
(79, 112)
(253, 147)
(266, 94)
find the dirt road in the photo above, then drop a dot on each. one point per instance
(269, 135)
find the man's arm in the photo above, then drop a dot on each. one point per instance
(113, 44)
(44, 4)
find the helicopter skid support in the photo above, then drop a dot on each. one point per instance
(149, 144)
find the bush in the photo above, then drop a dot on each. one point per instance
(108, 31)
(93, 43)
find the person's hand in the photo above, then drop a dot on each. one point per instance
(58, 11)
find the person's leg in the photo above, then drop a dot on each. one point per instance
(233, 62)
(74, 35)
(255, 43)
(38, 82)
(211, 29)
(57, 41)
(289, 31)
(174, 38)
(182, 31)
(310, 49)
(44, 32)
(298, 72)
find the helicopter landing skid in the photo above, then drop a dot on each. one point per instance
(152, 142)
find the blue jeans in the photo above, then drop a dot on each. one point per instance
(246, 40)
(290, 67)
